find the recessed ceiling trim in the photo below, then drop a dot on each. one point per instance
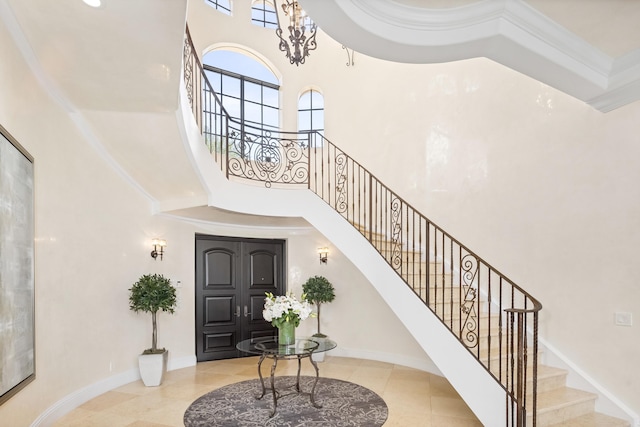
(511, 19)
(528, 42)
(271, 228)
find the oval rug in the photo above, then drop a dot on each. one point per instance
(343, 404)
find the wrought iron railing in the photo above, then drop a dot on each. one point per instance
(496, 320)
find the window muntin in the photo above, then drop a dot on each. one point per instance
(223, 6)
(246, 88)
(238, 63)
(311, 114)
(311, 111)
(263, 14)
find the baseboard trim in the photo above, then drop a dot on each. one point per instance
(421, 364)
(78, 397)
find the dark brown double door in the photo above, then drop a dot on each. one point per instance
(232, 276)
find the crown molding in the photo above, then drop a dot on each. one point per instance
(510, 32)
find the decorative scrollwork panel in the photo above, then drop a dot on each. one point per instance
(342, 195)
(468, 307)
(268, 159)
(188, 71)
(396, 233)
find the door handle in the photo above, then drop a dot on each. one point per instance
(237, 311)
(246, 311)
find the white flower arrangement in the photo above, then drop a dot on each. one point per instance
(285, 308)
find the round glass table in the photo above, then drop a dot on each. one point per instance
(269, 348)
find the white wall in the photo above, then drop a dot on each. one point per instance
(92, 242)
(93, 234)
(538, 183)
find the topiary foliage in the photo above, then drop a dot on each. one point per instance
(150, 294)
(318, 290)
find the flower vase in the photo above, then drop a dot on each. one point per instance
(287, 334)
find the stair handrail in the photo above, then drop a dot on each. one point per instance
(429, 260)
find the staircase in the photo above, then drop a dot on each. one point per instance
(557, 404)
(495, 320)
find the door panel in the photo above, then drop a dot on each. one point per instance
(217, 324)
(263, 267)
(219, 268)
(219, 311)
(232, 277)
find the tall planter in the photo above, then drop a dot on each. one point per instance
(150, 294)
(153, 367)
(318, 290)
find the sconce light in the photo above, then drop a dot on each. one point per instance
(324, 253)
(158, 243)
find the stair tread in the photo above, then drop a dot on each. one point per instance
(550, 400)
(594, 419)
(554, 398)
(545, 371)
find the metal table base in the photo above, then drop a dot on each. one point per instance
(270, 348)
(277, 394)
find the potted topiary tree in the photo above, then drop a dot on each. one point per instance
(150, 294)
(318, 290)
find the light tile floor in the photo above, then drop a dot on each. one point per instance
(414, 398)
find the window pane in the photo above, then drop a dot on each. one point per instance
(305, 101)
(223, 6)
(263, 14)
(252, 112)
(271, 117)
(270, 97)
(214, 80)
(311, 111)
(245, 96)
(232, 105)
(317, 118)
(240, 64)
(304, 122)
(317, 100)
(252, 92)
(231, 86)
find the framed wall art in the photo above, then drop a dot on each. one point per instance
(17, 293)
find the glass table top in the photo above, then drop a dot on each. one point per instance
(270, 346)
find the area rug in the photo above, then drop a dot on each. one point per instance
(343, 404)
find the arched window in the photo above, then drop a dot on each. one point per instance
(223, 6)
(311, 113)
(263, 14)
(247, 88)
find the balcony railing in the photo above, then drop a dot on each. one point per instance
(492, 317)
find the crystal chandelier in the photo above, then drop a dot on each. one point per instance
(302, 33)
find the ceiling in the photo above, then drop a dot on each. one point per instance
(587, 49)
(123, 56)
(608, 25)
(116, 68)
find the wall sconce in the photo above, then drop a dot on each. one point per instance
(161, 243)
(324, 254)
